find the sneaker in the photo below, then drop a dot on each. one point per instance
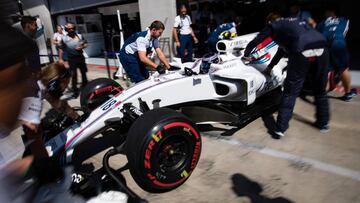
(277, 134)
(324, 128)
(349, 96)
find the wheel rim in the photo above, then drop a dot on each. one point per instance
(173, 154)
(169, 151)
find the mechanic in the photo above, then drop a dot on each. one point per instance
(56, 40)
(134, 53)
(53, 80)
(32, 62)
(307, 53)
(29, 26)
(14, 84)
(183, 34)
(335, 28)
(73, 44)
(223, 28)
(301, 15)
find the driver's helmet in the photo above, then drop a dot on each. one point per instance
(227, 35)
(207, 60)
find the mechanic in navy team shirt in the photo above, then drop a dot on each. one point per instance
(308, 56)
(134, 53)
(226, 27)
(335, 28)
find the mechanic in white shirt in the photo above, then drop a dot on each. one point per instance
(52, 82)
(56, 40)
(133, 54)
(14, 78)
(58, 35)
(183, 34)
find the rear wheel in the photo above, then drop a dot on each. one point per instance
(163, 148)
(97, 92)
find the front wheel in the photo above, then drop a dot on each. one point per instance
(163, 148)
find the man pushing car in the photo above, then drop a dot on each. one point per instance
(133, 55)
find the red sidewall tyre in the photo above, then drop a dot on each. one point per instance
(163, 148)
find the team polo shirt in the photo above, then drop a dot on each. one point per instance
(32, 104)
(334, 28)
(140, 41)
(183, 23)
(57, 36)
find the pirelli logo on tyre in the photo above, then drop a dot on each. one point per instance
(171, 154)
(196, 155)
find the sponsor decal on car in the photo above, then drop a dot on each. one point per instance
(108, 104)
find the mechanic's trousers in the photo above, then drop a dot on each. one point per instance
(74, 63)
(185, 43)
(134, 68)
(212, 44)
(298, 69)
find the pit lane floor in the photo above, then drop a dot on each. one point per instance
(250, 166)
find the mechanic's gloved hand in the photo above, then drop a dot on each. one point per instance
(161, 69)
(172, 68)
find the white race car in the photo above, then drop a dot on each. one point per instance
(157, 118)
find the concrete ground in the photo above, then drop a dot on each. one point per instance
(250, 166)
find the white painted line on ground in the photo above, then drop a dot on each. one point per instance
(338, 170)
(314, 163)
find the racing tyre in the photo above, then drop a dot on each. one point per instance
(163, 148)
(97, 92)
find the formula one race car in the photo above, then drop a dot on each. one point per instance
(157, 119)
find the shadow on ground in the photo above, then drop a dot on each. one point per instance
(245, 187)
(303, 119)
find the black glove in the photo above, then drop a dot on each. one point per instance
(247, 52)
(161, 69)
(172, 68)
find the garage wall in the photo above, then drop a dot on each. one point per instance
(163, 10)
(125, 8)
(59, 6)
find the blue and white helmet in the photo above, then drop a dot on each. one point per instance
(207, 60)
